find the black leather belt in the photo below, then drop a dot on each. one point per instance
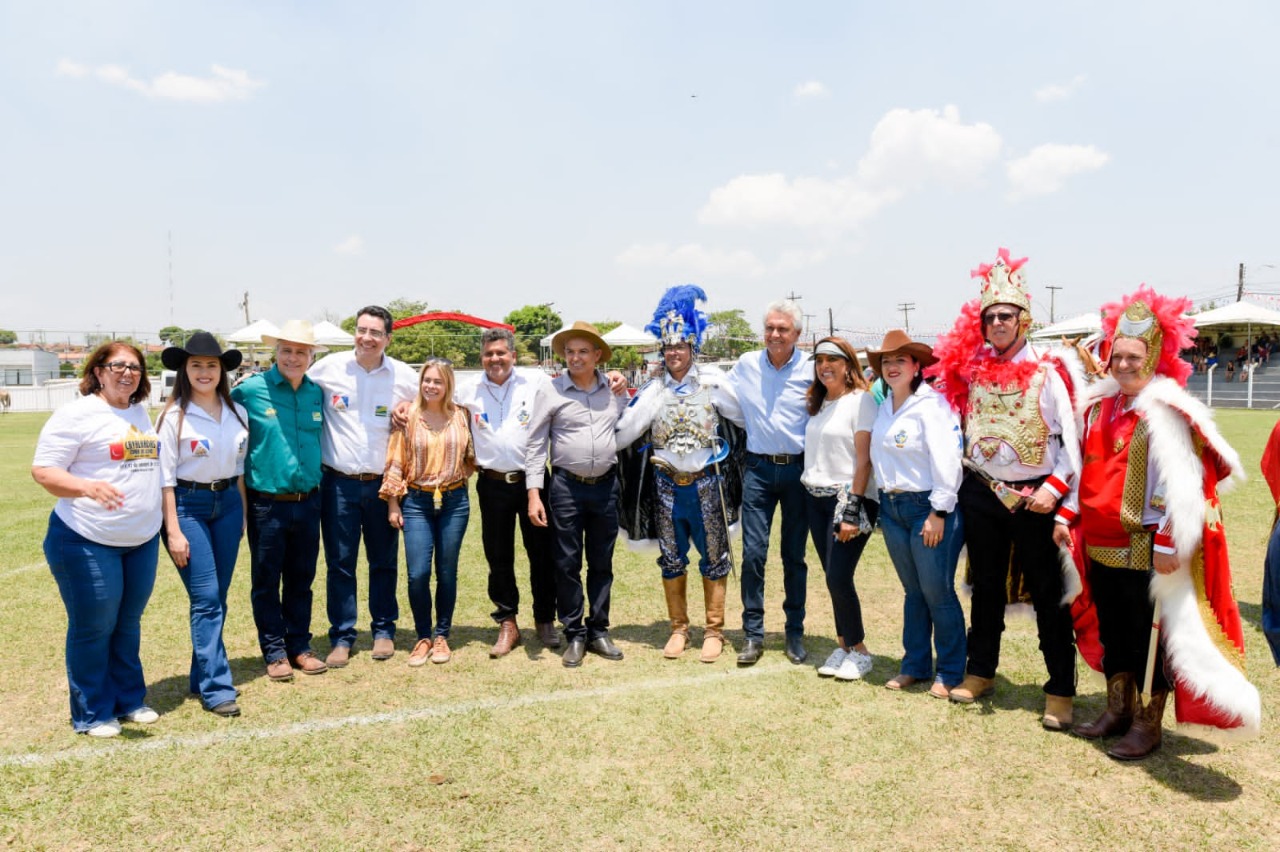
(216, 485)
(585, 480)
(362, 477)
(283, 498)
(511, 477)
(779, 458)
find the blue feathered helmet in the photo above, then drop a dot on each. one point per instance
(677, 318)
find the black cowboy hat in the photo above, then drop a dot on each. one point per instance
(204, 345)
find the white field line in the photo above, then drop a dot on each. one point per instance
(22, 570)
(130, 749)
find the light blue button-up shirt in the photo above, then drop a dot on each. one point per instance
(772, 401)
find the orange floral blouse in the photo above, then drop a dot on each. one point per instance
(426, 458)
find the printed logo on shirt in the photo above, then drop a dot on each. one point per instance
(523, 417)
(135, 447)
(243, 445)
(317, 417)
(340, 401)
(200, 447)
(481, 420)
(900, 439)
(380, 411)
(270, 412)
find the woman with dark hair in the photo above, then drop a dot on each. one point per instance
(840, 492)
(99, 456)
(425, 486)
(916, 452)
(203, 439)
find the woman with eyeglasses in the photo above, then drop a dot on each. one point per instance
(203, 440)
(100, 457)
(425, 485)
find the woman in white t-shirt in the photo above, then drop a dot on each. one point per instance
(841, 492)
(99, 456)
(916, 448)
(203, 439)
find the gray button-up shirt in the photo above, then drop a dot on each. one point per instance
(579, 426)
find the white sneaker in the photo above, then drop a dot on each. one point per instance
(105, 729)
(144, 715)
(852, 668)
(865, 661)
(833, 662)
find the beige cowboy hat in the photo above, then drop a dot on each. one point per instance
(295, 331)
(585, 330)
(898, 340)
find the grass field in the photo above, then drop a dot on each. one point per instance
(645, 753)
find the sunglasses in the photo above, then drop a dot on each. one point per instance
(436, 360)
(119, 367)
(999, 317)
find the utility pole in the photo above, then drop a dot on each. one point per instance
(906, 308)
(808, 325)
(831, 323)
(244, 303)
(1053, 293)
(1240, 286)
(793, 297)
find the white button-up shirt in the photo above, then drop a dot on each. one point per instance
(206, 450)
(919, 447)
(357, 409)
(500, 417)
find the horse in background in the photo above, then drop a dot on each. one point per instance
(5, 402)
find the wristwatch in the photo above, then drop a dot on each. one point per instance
(940, 513)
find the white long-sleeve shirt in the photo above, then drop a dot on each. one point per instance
(918, 447)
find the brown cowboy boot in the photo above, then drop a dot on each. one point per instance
(1058, 714)
(1145, 733)
(713, 636)
(1115, 720)
(678, 609)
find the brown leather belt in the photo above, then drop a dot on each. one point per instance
(456, 484)
(679, 477)
(361, 477)
(216, 485)
(283, 498)
(510, 477)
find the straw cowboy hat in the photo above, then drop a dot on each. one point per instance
(202, 344)
(896, 341)
(296, 331)
(586, 331)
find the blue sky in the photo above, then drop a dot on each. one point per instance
(484, 156)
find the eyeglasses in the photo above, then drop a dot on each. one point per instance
(999, 317)
(119, 367)
(375, 333)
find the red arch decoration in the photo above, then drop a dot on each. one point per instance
(449, 315)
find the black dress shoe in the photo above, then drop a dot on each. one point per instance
(605, 648)
(226, 709)
(573, 654)
(795, 650)
(750, 653)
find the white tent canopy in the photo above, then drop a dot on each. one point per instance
(1238, 313)
(1089, 323)
(254, 333)
(629, 335)
(328, 334)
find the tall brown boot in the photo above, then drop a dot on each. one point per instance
(1115, 720)
(713, 636)
(678, 610)
(1145, 732)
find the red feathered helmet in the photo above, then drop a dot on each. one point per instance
(1003, 284)
(1158, 321)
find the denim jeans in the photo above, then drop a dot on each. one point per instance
(1271, 594)
(502, 505)
(105, 589)
(212, 522)
(583, 518)
(839, 561)
(284, 543)
(930, 608)
(765, 486)
(430, 531)
(349, 507)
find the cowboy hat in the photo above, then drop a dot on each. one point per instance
(295, 331)
(898, 340)
(202, 344)
(586, 331)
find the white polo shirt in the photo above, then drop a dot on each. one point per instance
(206, 450)
(500, 416)
(357, 409)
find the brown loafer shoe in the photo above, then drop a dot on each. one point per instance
(900, 681)
(973, 688)
(309, 663)
(940, 690)
(338, 657)
(383, 649)
(279, 670)
(440, 652)
(547, 634)
(508, 638)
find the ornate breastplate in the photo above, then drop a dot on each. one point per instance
(1008, 414)
(685, 423)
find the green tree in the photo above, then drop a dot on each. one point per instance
(7, 337)
(623, 357)
(532, 323)
(729, 335)
(176, 335)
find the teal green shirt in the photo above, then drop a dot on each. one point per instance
(284, 433)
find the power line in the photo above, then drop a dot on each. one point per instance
(906, 308)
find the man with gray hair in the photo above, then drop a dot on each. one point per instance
(501, 406)
(770, 386)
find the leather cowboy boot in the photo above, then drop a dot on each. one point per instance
(713, 636)
(1121, 692)
(1145, 733)
(678, 610)
(1057, 712)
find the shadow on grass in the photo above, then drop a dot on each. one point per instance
(1168, 767)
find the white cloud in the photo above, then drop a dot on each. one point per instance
(693, 260)
(352, 246)
(908, 150)
(223, 84)
(1059, 91)
(811, 90)
(1047, 168)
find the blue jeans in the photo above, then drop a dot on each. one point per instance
(1271, 594)
(105, 589)
(765, 486)
(284, 542)
(930, 608)
(428, 531)
(212, 523)
(349, 507)
(583, 518)
(839, 561)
